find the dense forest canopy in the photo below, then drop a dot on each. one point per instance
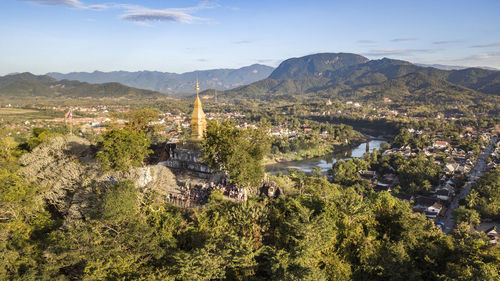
(318, 231)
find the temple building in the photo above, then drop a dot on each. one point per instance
(186, 156)
(198, 122)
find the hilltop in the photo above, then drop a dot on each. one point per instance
(315, 65)
(26, 85)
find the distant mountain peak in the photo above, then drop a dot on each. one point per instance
(315, 65)
(344, 75)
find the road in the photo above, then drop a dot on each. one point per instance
(477, 171)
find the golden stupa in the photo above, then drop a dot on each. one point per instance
(198, 122)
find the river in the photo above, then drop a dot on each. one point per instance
(324, 162)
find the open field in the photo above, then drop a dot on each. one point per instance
(22, 114)
(16, 111)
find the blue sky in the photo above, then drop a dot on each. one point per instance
(41, 36)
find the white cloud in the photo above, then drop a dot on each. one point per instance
(487, 45)
(491, 59)
(68, 3)
(145, 15)
(483, 56)
(366, 41)
(182, 15)
(135, 13)
(403, 39)
(445, 42)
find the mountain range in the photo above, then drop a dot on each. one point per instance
(173, 83)
(351, 76)
(27, 85)
(342, 76)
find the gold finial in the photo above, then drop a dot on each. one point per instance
(198, 122)
(197, 87)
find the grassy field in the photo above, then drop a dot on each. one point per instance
(16, 111)
(22, 114)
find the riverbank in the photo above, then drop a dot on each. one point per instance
(325, 162)
(319, 151)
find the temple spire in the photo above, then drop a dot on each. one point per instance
(197, 87)
(198, 122)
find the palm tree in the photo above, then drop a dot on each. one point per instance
(472, 199)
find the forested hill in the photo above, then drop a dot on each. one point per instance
(351, 76)
(315, 65)
(173, 83)
(25, 85)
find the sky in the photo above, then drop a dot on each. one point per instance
(41, 36)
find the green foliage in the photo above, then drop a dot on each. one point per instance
(352, 78)
(140, 120)
(236, 152)
(316, 172)
(464, 215)
(39, 135)
(120, 202)
(24, 223)
(485, 195)
(27, 85)
(419, 174)
(343, 236)
(318, 231)
(405, 138)
(102, 250)
(347, 172)
(471, 257)
(122, 149)
(7, 149)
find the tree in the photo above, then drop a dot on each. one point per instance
(121, 149)
(403, 138)
(24, 224)
(468, 216)
(141, 120)
(118, 244)
(470, 257)
(316, 172)
(38, 135)
(7, 146)
(120, 202)
(485, 195)
(236, 152)
(472, 198)
(418, 174)
(347, 172)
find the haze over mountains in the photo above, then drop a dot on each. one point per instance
(452, 67)
(173, 83)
